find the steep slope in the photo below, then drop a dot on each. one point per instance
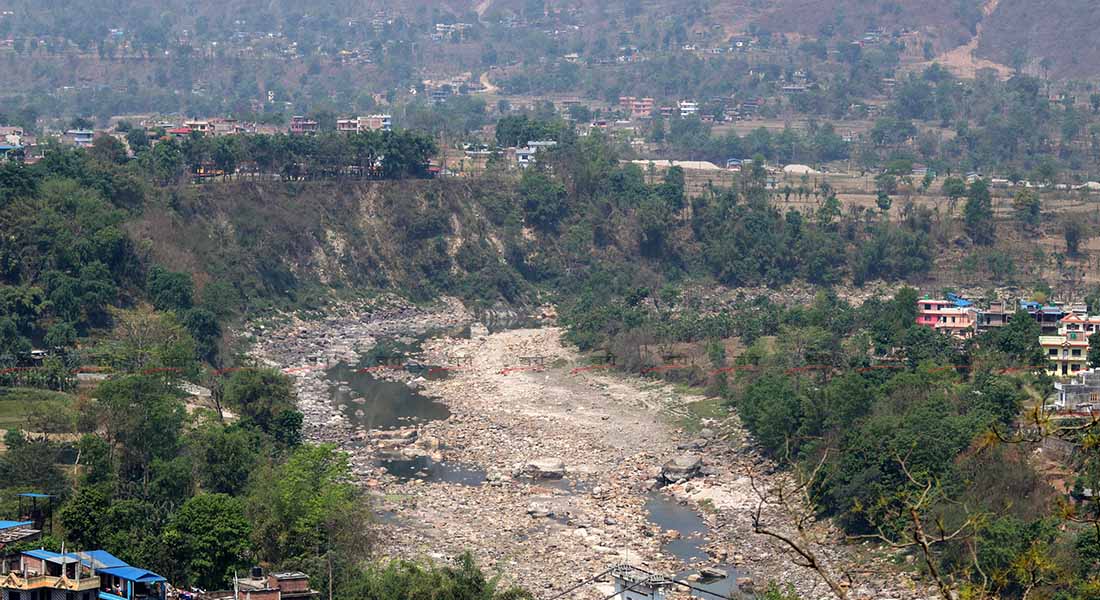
(1052, 37)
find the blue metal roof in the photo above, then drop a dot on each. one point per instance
(101, 559)
(133, 574)
(52, 556)
(10, 524)
(103, 562)
(959, 301)
(35, 495)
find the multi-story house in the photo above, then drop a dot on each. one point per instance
(1066, 354)
(81, 138)
(94, 575)
(301, 125)
(993, 317)
(1082, 393)
(45, 575)
(1079, 324)
(953, 316)
(378, 122)
(1068, 350)
(1048, 316)
(637, 108)
(688, 108)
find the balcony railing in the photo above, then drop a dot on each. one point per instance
(19, 581)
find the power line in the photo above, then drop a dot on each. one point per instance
(584, 583)
(687, 585)
(639, 583)
(627, 589)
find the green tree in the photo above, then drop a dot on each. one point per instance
(143, 421)
(226, 457)
(109, 150)
(406, 580)
(544, 199)
(298, 507)
(883, 201)
(954, 188)
(1074, 231)
(170, 290)
(138, 139)
(82, 516)
(1094, 350)
(205, 330)
(978, 214)
(1019, 339)
(1028, 209)
(263, 397)
(208, 538)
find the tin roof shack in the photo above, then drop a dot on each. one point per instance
(45, 575)
(635, 584)
(284, 585)
(13, 532)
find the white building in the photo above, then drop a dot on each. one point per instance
(377, 122)
(525, 156)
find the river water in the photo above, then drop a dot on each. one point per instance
(667, 513)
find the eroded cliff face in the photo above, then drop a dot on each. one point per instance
(283, 240)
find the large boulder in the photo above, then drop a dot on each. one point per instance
(684, 466)
(545, 468)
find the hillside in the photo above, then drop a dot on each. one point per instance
(950, 21)
(1054, 37)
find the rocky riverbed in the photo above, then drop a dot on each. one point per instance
(543, 470)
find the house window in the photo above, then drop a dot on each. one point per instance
(1053, 352)
(1077, 352)
(1075, 367)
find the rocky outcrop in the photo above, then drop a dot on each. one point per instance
(544, 468)
(684, 466)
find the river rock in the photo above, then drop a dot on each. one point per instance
(540, 511)
(545, 468)
(684, 466)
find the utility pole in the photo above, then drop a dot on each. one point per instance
(328, 556)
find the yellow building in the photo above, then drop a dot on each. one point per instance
(1066, 354)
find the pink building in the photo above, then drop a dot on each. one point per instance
(953, 317)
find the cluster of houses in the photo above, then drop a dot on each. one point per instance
(1064, 338)
(646, 108)
(15, 142)
(41, 574)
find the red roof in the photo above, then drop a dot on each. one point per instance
(180, 131)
